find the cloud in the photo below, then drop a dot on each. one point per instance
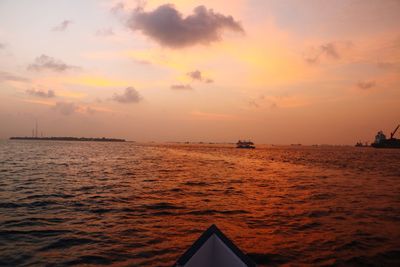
(130, 95)
(142, 61)
(387, 65)
(181, 87)
(5, 76)
(90, 110)
(169, 28)
(39, 93)
(365, 85)
(195, 75)
(212, 116)
(198, 76)
(2, 46)
(45, 62)
(278, 101)
(105, 32)
(330, 50)
(62, 26)
(117, 8)
(253, 103)
(66, 108)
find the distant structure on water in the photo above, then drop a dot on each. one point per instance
(245, 144)
(42, 138)
(87, 139)
(382, 142)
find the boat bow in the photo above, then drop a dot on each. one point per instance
(214, 249)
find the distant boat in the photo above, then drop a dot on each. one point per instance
(382, 142)
(245, 144)
(213, 248)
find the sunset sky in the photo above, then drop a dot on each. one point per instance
(274, 71)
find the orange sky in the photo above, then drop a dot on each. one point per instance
(275, 71)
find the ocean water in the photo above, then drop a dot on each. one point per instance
(129, 204)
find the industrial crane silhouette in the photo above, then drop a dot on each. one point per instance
(394, 132)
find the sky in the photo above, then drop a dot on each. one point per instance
(273, 71)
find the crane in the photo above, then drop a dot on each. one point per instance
(394, 132)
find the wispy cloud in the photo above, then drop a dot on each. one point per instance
(40, 93)
(105, 32)
(62, 26)
(169, 28)
(262, 101)
(365, 85)
(389, 65)
(66, 108)
(5, 76)
(142, 61)
(213, 116)
(91, 110)
(253, 103)
(329, 50)
(130, 95)
(279, 101)
(45, 62)
(181, 87)
(117, 8)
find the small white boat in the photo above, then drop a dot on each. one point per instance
(245, 144)
(213, 249)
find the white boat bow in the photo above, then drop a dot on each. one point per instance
(214, 249)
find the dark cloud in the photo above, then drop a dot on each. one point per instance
(5, 76)
(330, 50)
(130, 95)
(66, 108)
(198, 76)
(49, 63)
(62, 26)
(40, 93)
(327, 50)
(365, 85)
(169, 28)
(105, 32)
(195, 75)
(181, 87)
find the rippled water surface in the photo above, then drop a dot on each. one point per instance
(128, 204)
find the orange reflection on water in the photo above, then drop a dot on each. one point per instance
(130, 204)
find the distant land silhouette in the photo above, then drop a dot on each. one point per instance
(103, 139)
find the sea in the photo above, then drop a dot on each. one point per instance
(144, 204)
